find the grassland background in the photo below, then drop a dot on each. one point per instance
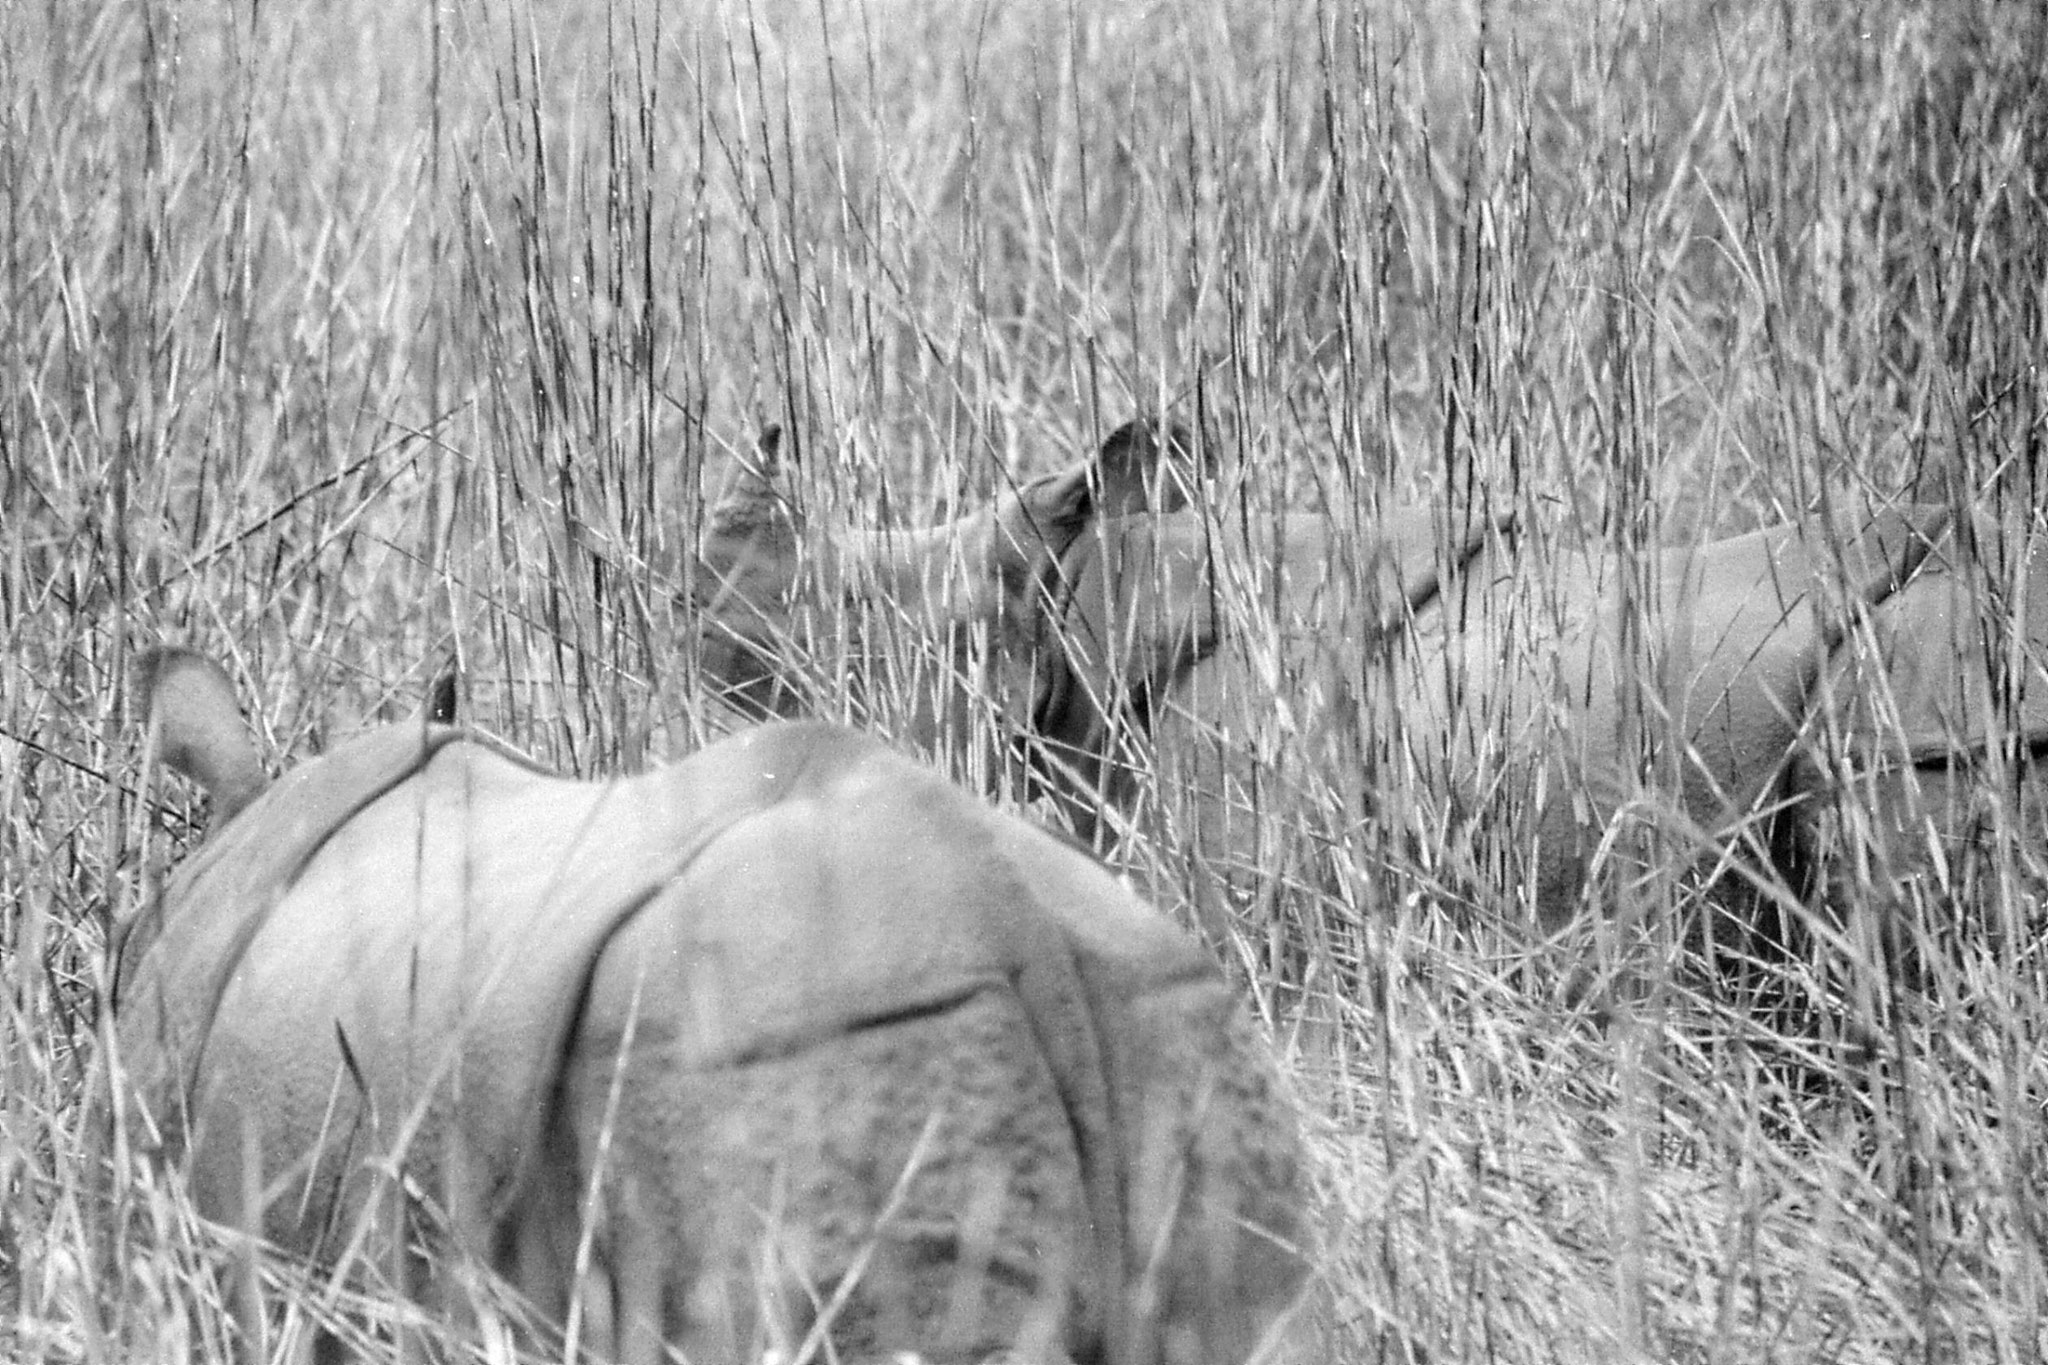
(337, 340)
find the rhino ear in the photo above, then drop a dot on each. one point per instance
(440, 704)
(1059, 505)
(754, 517)
(197, 730)
(768, 452)
(1144, 466)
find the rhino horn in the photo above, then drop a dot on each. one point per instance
(440, 706)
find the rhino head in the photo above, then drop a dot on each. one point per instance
(788, 1041)
(793, 616)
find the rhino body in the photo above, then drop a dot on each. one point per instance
(1550, 699)
(790, 1017)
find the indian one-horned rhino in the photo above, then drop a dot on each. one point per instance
(1230, 656)
(800, 1036)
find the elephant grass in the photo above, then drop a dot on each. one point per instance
(338, 347)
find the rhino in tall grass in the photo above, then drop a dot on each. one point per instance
(789, 1037)
(1223, 655)
(1543, 688)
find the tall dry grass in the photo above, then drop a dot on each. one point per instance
(338, 343)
